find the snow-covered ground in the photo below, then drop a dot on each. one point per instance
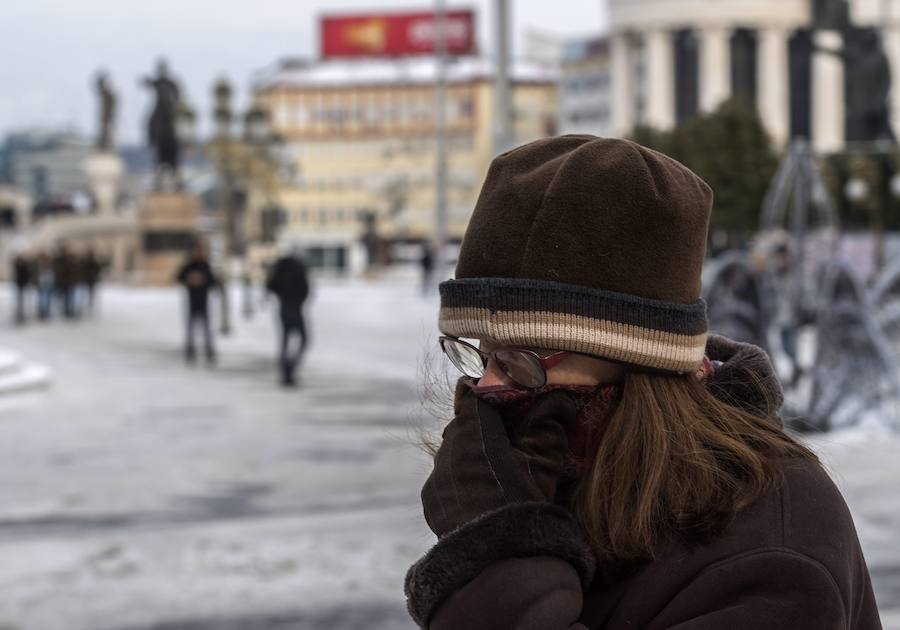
(142, 493)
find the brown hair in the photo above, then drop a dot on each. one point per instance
(672, 460)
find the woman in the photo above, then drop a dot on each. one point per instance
(611, 464)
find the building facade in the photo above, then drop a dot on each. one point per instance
(696, 53)
(47, 165)
(361, 137)
(585, 87)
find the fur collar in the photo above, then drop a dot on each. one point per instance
(745, 378)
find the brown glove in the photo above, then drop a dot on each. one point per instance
(480, 467)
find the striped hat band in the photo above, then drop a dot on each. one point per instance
(543, 314)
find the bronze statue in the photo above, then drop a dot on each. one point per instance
(161, 129)
(107, 112)
(868, 87)
(867, 73)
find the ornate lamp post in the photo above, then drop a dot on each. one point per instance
(185, 124)
(244, 164)
(256, 125)
(256, 136)
(223, 116)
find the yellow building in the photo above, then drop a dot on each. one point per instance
(361, 136)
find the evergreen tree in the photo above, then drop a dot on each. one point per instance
(732, 151)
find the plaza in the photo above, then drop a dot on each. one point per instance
(142, 493)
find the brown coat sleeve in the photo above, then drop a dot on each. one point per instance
(776, 589)
(513, 565)
(541, 593)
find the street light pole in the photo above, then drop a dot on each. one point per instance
(222, 115)
(440, 139)
(257, 137)
(503, 127)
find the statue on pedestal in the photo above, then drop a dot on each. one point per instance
(104, 167)
(107, 112)
(867, 72)
(161, 129)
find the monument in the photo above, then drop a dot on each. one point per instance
(104, 167)
(168, 216)
(162, 132)
(867, 72)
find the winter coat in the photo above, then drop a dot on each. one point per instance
(790, 561)
(22, 272)
(65, 271)
(198, 278)
(288, 280)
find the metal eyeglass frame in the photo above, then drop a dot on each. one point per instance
(546, 363)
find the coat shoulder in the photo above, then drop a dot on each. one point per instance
(803, 513)
(801, 530)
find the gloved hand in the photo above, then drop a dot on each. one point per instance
(479, 467)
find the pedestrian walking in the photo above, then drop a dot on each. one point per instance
(196, 275)
(426, 262)
(46, 284)
(66, 272)
(91, 270)
(610, 464)
(289, 281)
(22, 279)
(785, 287)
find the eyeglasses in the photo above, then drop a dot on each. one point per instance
(523, 367)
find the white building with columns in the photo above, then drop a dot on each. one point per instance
(696, 53)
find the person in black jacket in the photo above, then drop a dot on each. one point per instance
(92, 267)
(289, 281)
(197, 277)
(22, 276)
(65, 275)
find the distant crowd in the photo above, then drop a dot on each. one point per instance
(62, 283)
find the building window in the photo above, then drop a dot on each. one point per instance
(687, 84)
(743, 65)
(800, 71)
(168, 241)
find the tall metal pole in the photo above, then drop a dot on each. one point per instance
(222, 114)
(503, 126)
(440, 140)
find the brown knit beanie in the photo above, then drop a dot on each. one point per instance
(586, 244)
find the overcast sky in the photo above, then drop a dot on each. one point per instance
(50, 49)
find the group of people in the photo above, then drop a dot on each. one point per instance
(287, 280)
(63, 281)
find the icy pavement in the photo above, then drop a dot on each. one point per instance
(143, 494)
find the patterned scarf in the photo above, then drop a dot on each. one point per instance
(594, 405)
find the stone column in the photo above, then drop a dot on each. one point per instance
(622, 85)
(772, 80)
(715, 66)
(892, 49)
(660, 74)
(827, 94)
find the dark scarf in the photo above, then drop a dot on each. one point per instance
(594, 403)
(594, 406)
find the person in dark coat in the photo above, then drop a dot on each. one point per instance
(22, 279)
(426, 262)
(66, 272)
(91, 269)
(45, 283)
(289, 281)
(196, 275)
(610, 463)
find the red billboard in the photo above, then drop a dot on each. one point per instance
(395, 34)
